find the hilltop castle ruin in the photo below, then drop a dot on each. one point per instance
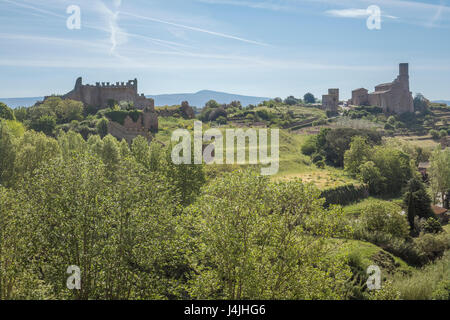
(102, 94)
(393, 97)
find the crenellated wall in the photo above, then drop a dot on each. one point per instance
(102, 93)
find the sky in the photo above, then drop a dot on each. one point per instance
(271, 48)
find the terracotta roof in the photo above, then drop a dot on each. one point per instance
(438, 210)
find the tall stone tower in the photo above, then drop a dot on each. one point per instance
(404, 75)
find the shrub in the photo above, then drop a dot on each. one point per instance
(434, 134)
(442, 291)
(6, 112)
(379, 216)
(433, 246)
(310, 145)
(221, 120)
(344, 195)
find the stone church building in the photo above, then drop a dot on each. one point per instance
(393, 97)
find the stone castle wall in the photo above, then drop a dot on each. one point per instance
(100, 94)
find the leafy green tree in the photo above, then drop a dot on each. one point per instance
(382, 217)
(417, 201)
(434, 134)
(358, 154)
(124, 236)
(338, 141)
(69, 110)
(257, 240)
(291, 100)
(309, 98)
(95, 145)
(45, 124)
(6, 112)
(186, 179)
(440, 174)
(141, 151)
(124, 149)
(309, 147)
(33, 150)
(421, 104)
(394, 166)
(212, 104)
(110, 152)
(102, 127)
(8, 150)
(21, 114)
(371, 175)
(70, 143)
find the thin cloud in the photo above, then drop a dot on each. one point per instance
(223, 35)
(27, 6)
(117, 36)
(354, 13)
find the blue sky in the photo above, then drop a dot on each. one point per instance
(252, 47)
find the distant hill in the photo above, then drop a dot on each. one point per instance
(200, 98)
(20, 102)
(195, 99)
(447, 102)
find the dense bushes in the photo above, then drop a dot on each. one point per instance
(141, 228)
(333, 144)
(385, 169)
(344, 195)
(120, 115)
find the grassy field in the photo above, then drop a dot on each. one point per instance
(293, 164)
(355, 209)
(420, 141)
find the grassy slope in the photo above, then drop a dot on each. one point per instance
(293, 164)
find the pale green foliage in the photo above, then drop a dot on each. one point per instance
(440, 173)
(124, 149)
(33, 150)
(257, 240)
(383, 217)
(141, 151)
(387, 292)
(386, 169)
(70, 143)
(371, 175)
(357, 154)
(124, 235)
(186, 179)
(95, 145)
(110, 152)
(7, 153)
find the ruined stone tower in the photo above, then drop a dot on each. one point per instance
(330, 101)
